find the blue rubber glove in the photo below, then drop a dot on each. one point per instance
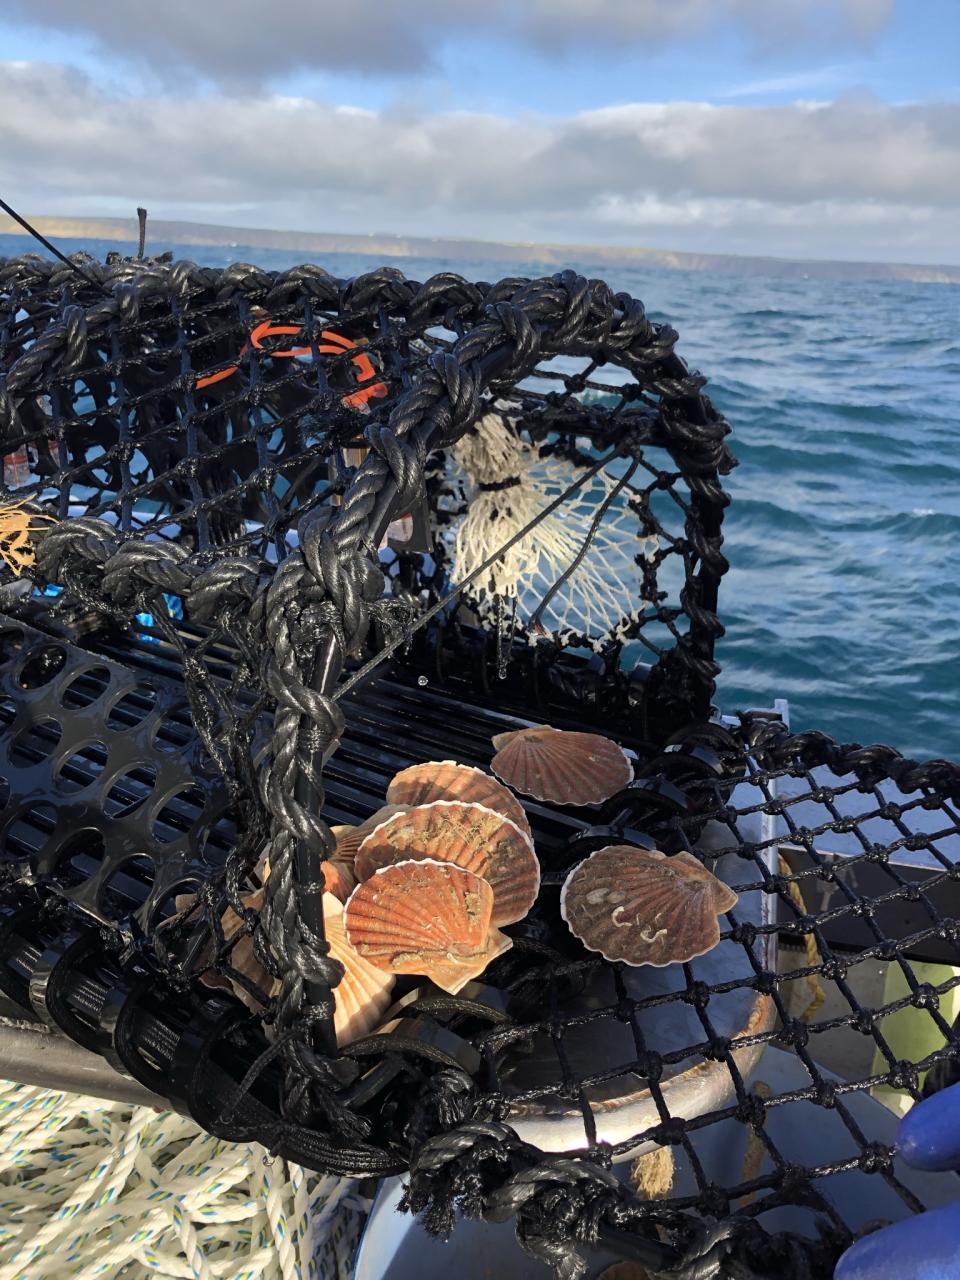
(926, 1246)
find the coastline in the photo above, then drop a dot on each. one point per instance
(124, 231)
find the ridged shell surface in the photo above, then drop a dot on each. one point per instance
(447, 780)
(349, 839)
(362, 995)
(429, 918)
(338, 879)
(643, 907)
(561, 767)
(468, 835)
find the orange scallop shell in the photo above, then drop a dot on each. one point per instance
(349, 839)
(240, 957)
(468, 835)
(426, 917)
(362, 996)
(561, 767)
(643, 907)
(447, 780)
(338, 878)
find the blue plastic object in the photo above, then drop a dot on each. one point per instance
(926, 1247)
(174, 608)
(929, 1135)
(923, 1248)
(147, 620)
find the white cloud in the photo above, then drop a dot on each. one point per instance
(814, 78)
(849, 178)
(248, 41)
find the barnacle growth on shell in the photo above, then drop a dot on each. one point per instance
(468, 836)
(447, 780)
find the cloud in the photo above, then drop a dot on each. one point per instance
(245, 41)
(773, 24)
(851, 178)
(811, 80)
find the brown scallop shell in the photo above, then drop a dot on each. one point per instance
(447, 780)
(349, 839)
(240, 957)
(643, 907)
(426, 917)
(561, 767)
(468, 835)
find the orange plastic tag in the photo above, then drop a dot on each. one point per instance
(332, 344)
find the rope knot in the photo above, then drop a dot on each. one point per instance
(137, 564)
(402, 459)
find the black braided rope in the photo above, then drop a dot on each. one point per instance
(464, 1151)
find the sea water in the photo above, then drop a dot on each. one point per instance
(843, 532)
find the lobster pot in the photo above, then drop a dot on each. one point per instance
(272, 539)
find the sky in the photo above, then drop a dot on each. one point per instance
(799, 128)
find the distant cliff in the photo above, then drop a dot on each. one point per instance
(316, 244)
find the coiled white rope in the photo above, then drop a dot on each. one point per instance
(99, 1190)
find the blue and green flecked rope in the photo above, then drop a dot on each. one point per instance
(103, 1190)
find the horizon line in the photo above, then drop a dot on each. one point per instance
(216, 235)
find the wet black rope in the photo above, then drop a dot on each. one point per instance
(320, 602)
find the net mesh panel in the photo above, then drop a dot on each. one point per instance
(168, 710)
(579, 574)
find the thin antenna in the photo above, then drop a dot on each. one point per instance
(52, 247)
(142, 218)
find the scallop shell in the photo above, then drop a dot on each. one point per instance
(468, 835)
(426, 917)
(338, 878)
(349, 839)
(643, 907)
(362, 996)
(561, 767)
(241, 957)
(447, 780)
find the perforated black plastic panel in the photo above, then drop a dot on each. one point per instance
(108, 797)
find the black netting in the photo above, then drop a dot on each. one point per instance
(245, 491)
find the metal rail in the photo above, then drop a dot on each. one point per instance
(31, 1053)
